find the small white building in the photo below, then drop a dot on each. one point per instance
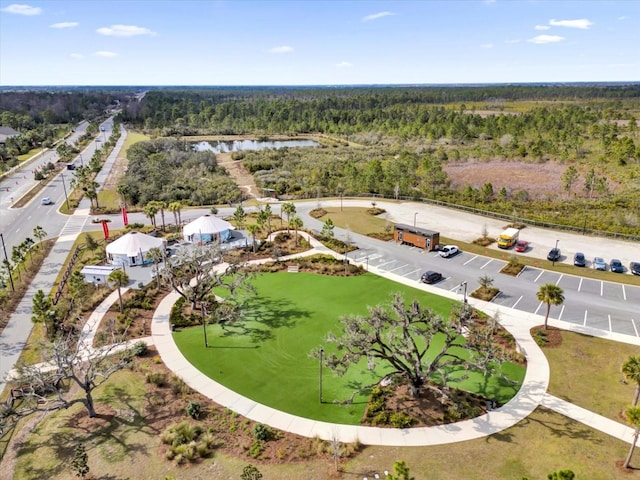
(97, 274)
(207, 228)
(132, 248)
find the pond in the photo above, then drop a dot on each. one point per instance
(239, 145)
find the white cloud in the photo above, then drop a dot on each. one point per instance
(540, 39)
(344, 65)
(21, 9)
(124, 31)
(581, 23)
(77, 56)
(105, 54)
(281, 49)
(623, 17)
(486, 45)
(541, 27)
(64, 25)
(376, 16)
(515, 40)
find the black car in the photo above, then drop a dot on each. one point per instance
(579, 260)
(616, 266)
(430, 277)
(554, 255)
(635, 268)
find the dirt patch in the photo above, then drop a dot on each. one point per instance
(551, 337)
(540, 180)
(429, 409)
(240, 175)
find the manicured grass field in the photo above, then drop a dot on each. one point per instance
(266, 358)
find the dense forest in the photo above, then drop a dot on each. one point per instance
(402, 142)
(41, 116)
(167, 170)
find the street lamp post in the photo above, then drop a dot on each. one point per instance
(204, 324)
(64, 187)
(320, 390)
(414, 218)
(553, 262)
(7, 263)
(464, 297)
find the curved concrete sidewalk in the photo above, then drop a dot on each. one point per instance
(528, 398)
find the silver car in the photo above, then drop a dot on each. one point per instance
(599, 263)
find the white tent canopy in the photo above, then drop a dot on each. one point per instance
(132, 248)
(207, 228)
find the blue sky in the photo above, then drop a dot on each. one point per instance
(307, 42)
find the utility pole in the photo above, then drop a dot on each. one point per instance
(7, 260)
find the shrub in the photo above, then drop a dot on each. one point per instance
(256, 448)
(139, 349)
(400, 420)
(157, 378)
(193, 409)
(262, 432)
(178, 386)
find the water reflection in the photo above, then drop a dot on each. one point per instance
(238, 145)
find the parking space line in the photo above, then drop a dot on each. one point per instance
(624, 293)
(609, 323)
(497, 295)
(536, 312)
(486, 264)
(634, 326)
(398, 268)
(385, 263)
(584, 323)
(561, 312)
(601, 288)
(580, 284)
(411, 273)
(539, 275)
(521, 271)
(470, 260)
(374, 256)
(517, 301)
(561, 275)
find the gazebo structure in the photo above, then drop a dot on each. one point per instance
(132, 248)
(207, 228)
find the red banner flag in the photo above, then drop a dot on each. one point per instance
(105, 229)
(125, 219)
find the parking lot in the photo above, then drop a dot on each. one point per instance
(603, 305)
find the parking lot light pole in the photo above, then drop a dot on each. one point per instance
(320, 390)
(553, 262)
(464, 295)
(414, 218)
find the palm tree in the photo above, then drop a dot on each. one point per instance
(253, 230)
(156, 255)
(296, 223)
(175, 208)
(288, 209)
(551, 294)
(633, 417)
(120, 279)
(150, 210)
(267, 213)
(631, 371)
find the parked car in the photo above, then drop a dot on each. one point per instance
(521, 246)
(449, 251)
(579, 260)
(616, 266)
(634, 267)
(554, 255)
(431, 277)
(46, 201)
(599, 263)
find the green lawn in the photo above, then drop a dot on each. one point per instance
(267, 357)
